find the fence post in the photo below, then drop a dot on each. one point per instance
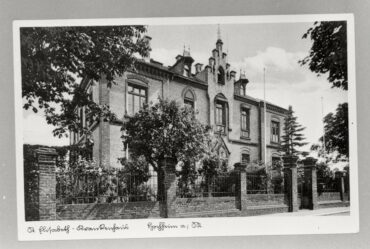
(339, 176)
(241, 187)
(310, 169)
(168, 181)
(46, 165)
(290, 172)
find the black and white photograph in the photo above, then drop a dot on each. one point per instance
(183, 124)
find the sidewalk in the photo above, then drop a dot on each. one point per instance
(339, 211)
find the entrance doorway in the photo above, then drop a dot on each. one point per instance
(304, 182)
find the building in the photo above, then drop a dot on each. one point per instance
(221, 100)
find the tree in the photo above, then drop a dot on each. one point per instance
(164, 129)
(55, 59)
(292, 137)
(336, 131)
(328, 53)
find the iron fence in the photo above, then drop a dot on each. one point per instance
(256, 184)
(328, 184)
(79, 188)
(262, 184)
(199, 185)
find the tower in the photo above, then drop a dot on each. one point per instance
(220, 79)
(183, 63)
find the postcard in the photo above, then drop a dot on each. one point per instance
(181, 127)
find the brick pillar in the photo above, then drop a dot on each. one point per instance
(310, 172)
(168, 181)
(290, 175)
(241, 187)
(46, 164)
(340, 179)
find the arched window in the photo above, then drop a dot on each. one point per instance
(222, 153)
(276, 160)
(189, 98)
(244, 122)
(221, 115)
(221, 76)
(245, 157)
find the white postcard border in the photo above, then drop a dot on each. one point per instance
(187, 227)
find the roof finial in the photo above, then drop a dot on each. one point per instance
(186, 53)
(227, 48)
(218, 32)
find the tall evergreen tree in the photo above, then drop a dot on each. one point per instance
(293, 136)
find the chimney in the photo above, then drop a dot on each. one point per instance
(215, 53)
(147, 40)
(224, 56)
(211, 61)
(198, 67)
(232, 74)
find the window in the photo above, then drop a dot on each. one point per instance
(245, 158)
(220, 117)
(220, 76)
(89, 152)
(137, 97)
(186, 71)
(189, 99)
(244, 123)
(222, 154)
(275, 161)
(275, 132)
(242, 90)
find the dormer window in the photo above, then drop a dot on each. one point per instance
(220, 76)
(242, 89)
(186, 71)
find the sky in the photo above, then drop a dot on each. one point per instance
(277, 47)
